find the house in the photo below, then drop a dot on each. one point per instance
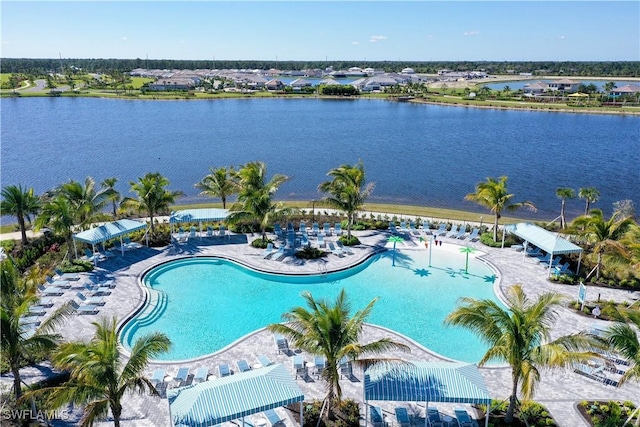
(300, 83)
(274, 84)
(328, 82)
(536, 88)
(173, 84)
(564, 85)
(631, 90)
(407, 71)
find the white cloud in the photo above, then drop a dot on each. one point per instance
(374, 39)
(354, 43)
(471, 33)
(124, 38)
(562, 37)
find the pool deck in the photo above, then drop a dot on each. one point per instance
(560, 391)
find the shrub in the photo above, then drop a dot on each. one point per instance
(260, 244)
(347, 414)
(310, 252)
(349, 241)
(76, 266)
(605, 414)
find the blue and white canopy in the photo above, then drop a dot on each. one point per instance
(198, 215)
(236, 396)
(109, 231)
(549, 242)
(426, 382)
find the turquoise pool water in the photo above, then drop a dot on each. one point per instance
(204, 304)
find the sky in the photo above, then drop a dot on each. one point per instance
(327, 30)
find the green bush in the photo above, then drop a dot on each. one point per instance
(260, 244)
(347, 414)
(310, 252)
(349, 241)
(606, 414)
(76, 266)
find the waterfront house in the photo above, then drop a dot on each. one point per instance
(630, 90)
(300, 83)
(274, 84)
(564, 85)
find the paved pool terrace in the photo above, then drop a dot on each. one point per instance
(559, 391)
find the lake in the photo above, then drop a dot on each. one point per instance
(416, 154)
(517, 85)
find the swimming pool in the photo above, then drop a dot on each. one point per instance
(204, 304)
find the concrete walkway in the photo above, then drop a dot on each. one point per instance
(558, 390)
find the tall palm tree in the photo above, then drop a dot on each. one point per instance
(114, 195)
(328, 330)
(590, 195)
(219, 183)
(604, 234)
(58, 214)
(520, 336)
(21, 203)
(19, 344)
(99, 377)
(624, 340)
(347, 190)
(255, 196)
(493, 195)
(563, 194)
(153, 197)
(87, 200)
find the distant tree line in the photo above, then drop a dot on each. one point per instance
(40, 66)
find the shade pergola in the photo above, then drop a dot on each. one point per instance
(426, 382)
(236, 396)
(549, 242)
(198, 215)
(108, 231)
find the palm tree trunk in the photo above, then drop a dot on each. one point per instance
(116, 411)
(598, 265)
(512, 401)
(151, 218)
(17, 387)
(69, 239)
(586, 209)
(562, 221)
(23, 230)
(495, 227)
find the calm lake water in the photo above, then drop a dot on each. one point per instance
(416, 154)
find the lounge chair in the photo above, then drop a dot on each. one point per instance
(93, 257)
(243, 365)
(392, 227)
(334, 250)
(264, 361)
(131, 245)
(45, 302)
(402, 417)
(303, 228)
(107, 254)
(181, 376)
(223, 370)
(403, 227)
(31, 321)
(315, 229)
(304, 240)
(222, 231)
(273, 417)
(37, 310)
(290, 228)
(268, 251)
(594, 372)
(62, 284)
(291, 239)
(453, 231)
(413, 229)
(462, 233)
(345, 249)
(375, 415)
(60, 275)
(84, 309)
(537, 252)
(554, 263)
(98, 300)
(320, 364)
(277, 229)
(434, 417)
(106, 283)
(321, 243)
(157, 377)
(338, 229)
(299, 366)
(474, 235)
(280, 254)
(563, 269)
(209, 231)
(95, 290)
(464, 420)
(282, 343)
(327, 229)
(193, 232)
(50, 291)
(425, 228)
(442, 229)
(346, 369)
(181, 238)
(201, 375)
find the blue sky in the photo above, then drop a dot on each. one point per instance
(335, 30)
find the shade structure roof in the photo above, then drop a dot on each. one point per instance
(545, 240)
(229, 398)
(108, 231)
(198, 215)
(426, 382)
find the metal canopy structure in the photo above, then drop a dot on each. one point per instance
(236, 396)
(426, 382)
(108, 231)
(549, 242)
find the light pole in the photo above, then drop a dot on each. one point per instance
(430, 246)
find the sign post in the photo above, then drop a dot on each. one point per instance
(582, 295)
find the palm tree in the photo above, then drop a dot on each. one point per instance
(19, 344)
(87, 201)
(563, 194)
(99, 377)
(520, 336)
(327, 330)
(624, 340)
(58, 214)
(114, 195)
(219, 183)
(590, 194)
(255, 196)
(493, 195)
(21, 203)
(347, 190)
(604, 234)
(153, 197)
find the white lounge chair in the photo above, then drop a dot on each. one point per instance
(157, 377)
(464, 420)
(60, 275)
(223, 370)
(181, 376)
(345, 249)
(273, 417)
(334, 250)
(201, 375)
(84, 309)
(442, 229)
(268, 251)
(338, 229)
(327, 229)
(474, 235)
(97, 300)
(453, 231)
(243, 365)
(264, 361)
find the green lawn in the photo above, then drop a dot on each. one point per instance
(4, 77)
